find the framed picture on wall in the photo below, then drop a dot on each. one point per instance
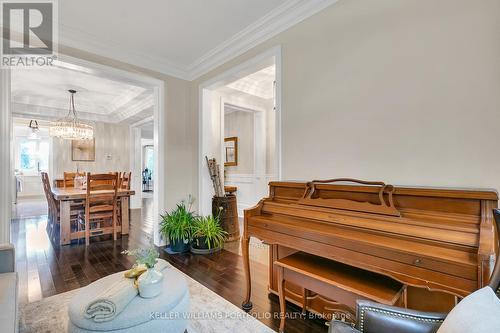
(83, 150)
(231, 151)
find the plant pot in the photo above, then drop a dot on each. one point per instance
(150, 283)
(199, 246)
(179, 245)
(200, 243)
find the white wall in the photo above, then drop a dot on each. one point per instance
(404, 91)
(211, 146)
(240, 124)
(111, 152)
(6, 176)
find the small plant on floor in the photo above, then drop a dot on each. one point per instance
(208, 233)
(147, 257)
(177, 226)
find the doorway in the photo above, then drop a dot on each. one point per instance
(31, 151)
(242, 103)
(137, 83)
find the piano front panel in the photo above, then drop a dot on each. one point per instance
(463, 265)
(410, 274)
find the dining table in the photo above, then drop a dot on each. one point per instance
(68, 196)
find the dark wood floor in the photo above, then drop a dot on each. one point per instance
(46, 269)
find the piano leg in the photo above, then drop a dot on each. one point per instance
(245, 240)
(281, 291)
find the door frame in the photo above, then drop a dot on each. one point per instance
(158, 87)
(6, 172)
(232, 73)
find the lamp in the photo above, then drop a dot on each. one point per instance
(34, 130)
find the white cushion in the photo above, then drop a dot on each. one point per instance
(477, 313)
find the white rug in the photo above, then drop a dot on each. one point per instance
(211, 314)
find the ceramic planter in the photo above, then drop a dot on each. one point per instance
(150, 283)
(179, 245)
(199, 246)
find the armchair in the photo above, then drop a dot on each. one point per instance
(377, 318)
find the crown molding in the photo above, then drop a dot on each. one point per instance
(143, 122)
(270, 25)
(276, 21)
(133, 108)
(122, 115)
(86, 42)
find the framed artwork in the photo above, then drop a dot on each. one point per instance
(231, 151)
(83, 150)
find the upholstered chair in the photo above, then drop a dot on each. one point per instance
(377, 318)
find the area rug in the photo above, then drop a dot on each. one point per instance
(210, 314)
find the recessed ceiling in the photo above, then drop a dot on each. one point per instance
(182, 38)
(260, 84)
(44, 94)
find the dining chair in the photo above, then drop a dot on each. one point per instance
(69, 178)
(53, 220)
(100, 216)
(50, 210)
(124, 184)
(125, 180)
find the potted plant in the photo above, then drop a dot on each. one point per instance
(177, 226)
(149, 282)
(208, 235)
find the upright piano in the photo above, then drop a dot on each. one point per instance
(440, 241)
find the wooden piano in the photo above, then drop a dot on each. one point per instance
(439, 242)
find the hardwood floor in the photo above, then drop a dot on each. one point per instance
(46, 269)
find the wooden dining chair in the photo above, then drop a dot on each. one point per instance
(50, 201)
(53, 220)
(100, 216)
(69, 179)
(125, 180)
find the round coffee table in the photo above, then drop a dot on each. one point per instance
(166, 313)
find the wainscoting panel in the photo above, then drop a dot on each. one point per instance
(251, 188)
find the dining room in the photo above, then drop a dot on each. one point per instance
(79, 148)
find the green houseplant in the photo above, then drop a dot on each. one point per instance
(208, 235)
(147, 257)
(177, 226)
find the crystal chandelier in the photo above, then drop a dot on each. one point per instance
(70, 128)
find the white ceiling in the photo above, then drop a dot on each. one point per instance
(43, 94)
(184, 38)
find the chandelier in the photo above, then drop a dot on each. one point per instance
(70, 128)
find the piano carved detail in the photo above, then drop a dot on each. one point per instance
(383, 208)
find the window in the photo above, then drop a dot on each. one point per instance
(33, 155)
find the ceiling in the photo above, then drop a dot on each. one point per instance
(43, 94)
(260, 84)
(181, 38)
